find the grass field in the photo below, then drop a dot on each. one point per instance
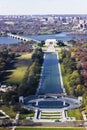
(23, 116)
(50, 128)
(4, 128)
(75, 113)
(62, 70)
(25, 56)
(16, 74)
(8, 110)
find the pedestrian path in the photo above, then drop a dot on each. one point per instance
(85, 119)
(50, 115)
(4, 114)
(15, 121)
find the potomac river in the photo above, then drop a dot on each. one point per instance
(58, 36)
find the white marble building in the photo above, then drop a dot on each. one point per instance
(51, 42)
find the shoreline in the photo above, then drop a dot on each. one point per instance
(61, 79)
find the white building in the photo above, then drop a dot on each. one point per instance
(51, 42)
(21, 99)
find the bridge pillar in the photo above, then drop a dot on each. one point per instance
(21, 99)
(62, 97)
(36, 103)
(64, 103)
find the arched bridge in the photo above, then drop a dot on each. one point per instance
(22, 38)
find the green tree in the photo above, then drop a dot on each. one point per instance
(74, 78)
(79, 90)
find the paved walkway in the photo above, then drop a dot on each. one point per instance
(6, 116)
(60, 74)
(60, 113)
(85, 119)
(15, 121)
(51, 48)
(14, 127)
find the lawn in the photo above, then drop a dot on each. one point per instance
(62, 71)
(50, 128)
(4, 128)
(25, 56)
(50, 113)
(16, 75)
(8, 110)
(75, 113)
(23, 116)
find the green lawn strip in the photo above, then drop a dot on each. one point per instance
(4, 128)
(24, 56)
(50, 115)
(50, 112)
(45, 117)
(50, 128)
(63, 76)
(49, 118)
(8, 110)
(23, 116)
(75, 113)
(17, 75)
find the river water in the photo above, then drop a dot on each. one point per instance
(8, 40)
(59, 36)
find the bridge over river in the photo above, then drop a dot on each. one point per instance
(25, 39)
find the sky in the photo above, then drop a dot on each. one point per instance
(30, 7)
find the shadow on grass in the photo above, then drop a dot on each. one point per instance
(20, 63)
(12, 66)
(5, 76)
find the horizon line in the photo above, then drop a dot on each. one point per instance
(39, 14)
